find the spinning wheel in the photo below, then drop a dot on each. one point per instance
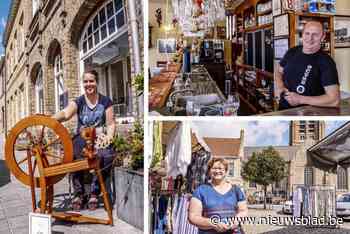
(37, 134)
(39, 152)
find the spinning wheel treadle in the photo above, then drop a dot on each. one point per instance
(37, 134)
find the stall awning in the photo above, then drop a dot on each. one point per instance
(332, 151)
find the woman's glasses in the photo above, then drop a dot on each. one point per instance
(218, 169)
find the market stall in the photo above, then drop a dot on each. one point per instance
(178, 167)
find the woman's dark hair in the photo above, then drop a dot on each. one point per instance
(92, 72)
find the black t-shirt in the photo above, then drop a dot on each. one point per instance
(307, 74)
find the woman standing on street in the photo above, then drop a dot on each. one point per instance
(213, 204)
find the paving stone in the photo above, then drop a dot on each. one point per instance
(18, 222)
(20, 230)
(4, 226)
(16, 211)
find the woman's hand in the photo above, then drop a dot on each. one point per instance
(222, 227)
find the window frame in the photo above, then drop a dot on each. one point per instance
(86, 36)
(39, 87)
(59, 80)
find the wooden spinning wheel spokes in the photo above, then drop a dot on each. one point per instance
(37, 135)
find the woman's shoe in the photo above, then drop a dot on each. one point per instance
(93, 202)
(77, 203)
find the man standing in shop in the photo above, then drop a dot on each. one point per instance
(306, 75)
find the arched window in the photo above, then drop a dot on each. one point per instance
(342, 178)
(106, 22)
(59, 83)
(39, 92)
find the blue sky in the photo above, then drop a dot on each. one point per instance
(4, 9)
(257, 133)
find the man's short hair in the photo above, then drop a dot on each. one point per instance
(92, 72)
(314, 21)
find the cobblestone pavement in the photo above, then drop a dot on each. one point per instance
(275, 211)
(15, 204)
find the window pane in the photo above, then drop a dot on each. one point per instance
(96, 23)
(118, 4)
(111, 26)
(90, 42)
(103, 32)
(120, 19)
(110, 10)
(97, 37)
(84, 46)
(90, 29)
(102, 16)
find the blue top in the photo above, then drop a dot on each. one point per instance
(216, 204)
(92, 117)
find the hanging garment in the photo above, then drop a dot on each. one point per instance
(157, 145)
(179, 150)
(296, 204)
(197, 172)
(182, 225)
(161, 218)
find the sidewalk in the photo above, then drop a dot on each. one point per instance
(15, 204)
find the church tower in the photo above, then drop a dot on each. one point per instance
(302, 130)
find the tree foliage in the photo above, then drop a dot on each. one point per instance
(264, 168)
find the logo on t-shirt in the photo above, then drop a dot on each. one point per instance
(301, 88)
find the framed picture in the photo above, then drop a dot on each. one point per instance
(281, 46)
(39, 223)
(166, 46)
(281, 25)
(342, 31)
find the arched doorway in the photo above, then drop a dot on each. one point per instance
(104, 46)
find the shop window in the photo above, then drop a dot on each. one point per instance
(59, 83)
(39, 92)
(103, 25)
(342, 179)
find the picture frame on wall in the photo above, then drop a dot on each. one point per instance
(342, 31)
(281, 46)
(281, 25)
(166, 46)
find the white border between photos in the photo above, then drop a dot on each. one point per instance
(145, 119)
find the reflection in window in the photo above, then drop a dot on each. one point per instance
(59, 84)
(39, 92)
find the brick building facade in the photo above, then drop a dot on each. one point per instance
(49, 43)
(2, 96)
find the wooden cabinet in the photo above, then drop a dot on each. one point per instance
(253, 78)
